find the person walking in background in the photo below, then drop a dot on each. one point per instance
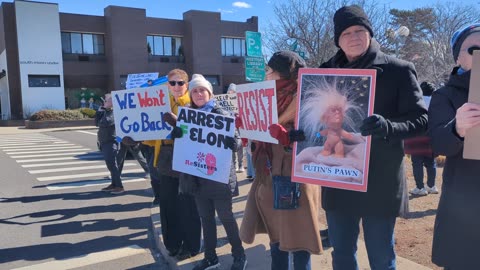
(212, 196)
(456, 236)
(293, 230)
(420, 150)
(250, 167)
(399, 113)
(237, 155)
(108, 145)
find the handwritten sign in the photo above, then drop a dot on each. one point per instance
(257, 107)
(228, 102)
(201, 151)
(135, 80)
(138, 112)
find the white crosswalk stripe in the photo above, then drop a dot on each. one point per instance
(30, 147)
(63, 164)
(74, 148)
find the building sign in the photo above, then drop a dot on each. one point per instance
(254, 69)
(254, 43)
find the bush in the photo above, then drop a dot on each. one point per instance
(45, 115)
(90, 113)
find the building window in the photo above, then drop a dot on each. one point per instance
(212, 79)
(44, 80)
(82, 43)
(233, 46)
(164, 45)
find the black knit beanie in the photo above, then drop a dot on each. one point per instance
(349, 16)
(286, 63)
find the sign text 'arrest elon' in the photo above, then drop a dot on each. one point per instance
(202, 119)
(251, 108)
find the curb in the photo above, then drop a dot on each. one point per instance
(58, 123)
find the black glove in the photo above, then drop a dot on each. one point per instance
(129, 141)
(374, 125)
(296, 135)
(170, 118)
(177, 132)
(231, 143)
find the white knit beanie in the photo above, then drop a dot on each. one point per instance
(199, 80)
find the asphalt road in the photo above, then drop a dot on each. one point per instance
(53, 216)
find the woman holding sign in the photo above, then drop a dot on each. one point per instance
(212, 196)
(451, 117)
(294, 230)
(181, 226)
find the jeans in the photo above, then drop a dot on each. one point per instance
(113, 160)
(206, 210)
(250, 169)
(378, 232)
(280, 260)
(136, 153)
(237, 157)
(418, 162)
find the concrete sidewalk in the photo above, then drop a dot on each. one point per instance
(258, 253)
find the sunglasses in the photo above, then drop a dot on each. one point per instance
(471, 49)
(180, 83)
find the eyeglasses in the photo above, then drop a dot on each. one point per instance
(180, 83)
(471, 49)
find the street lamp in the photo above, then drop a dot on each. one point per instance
(398, 37)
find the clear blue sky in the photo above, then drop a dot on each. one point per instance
(230, 10)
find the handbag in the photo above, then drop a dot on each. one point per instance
(165, 161)
(286, 193)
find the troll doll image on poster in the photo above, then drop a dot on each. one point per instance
(331, 106)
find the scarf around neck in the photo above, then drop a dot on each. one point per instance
(286, 91)
(208, 107)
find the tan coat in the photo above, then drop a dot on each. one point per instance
(294, 229)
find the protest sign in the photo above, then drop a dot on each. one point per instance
(135, 80)
(471, 149)
(257, 107)
(138, 112)
(228, 102)
(330, 105)
(201, 151)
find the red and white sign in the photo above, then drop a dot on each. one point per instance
(257, 107)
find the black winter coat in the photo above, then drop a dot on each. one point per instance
(106, 126)
(399, 100)
(456, 236)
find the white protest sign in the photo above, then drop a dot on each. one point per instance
(201, 151)
(138, 112)
(135, 80)
(228, 102)
(257, 107)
